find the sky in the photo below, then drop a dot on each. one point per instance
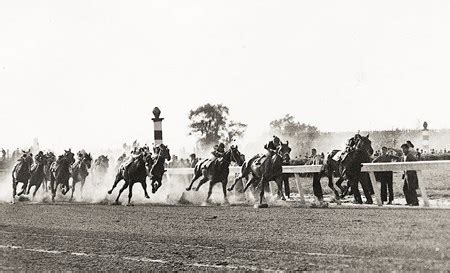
(88, 73)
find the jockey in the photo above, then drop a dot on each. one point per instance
(219, 151)
(272, 148)
(137, 152)
(351, 143)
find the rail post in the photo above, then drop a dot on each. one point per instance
(301, 193)
(423, 190)
(373, 180)
(157, 127)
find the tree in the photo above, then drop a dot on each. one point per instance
(300, 135)
(210, 124)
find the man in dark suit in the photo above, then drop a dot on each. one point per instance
(411, 182)
(315, 159)
(386, 178)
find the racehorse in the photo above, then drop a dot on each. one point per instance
(348, 168)
(270, 169)
(101, 165)
(80, 170)
(60, 173)
(137, 171)
(21, 172)
(37, 173)
(50, 158)
(157, 171)
(216, 171)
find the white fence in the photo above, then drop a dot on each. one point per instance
(370, 168)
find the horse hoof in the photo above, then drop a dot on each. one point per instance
(283, 198)
(146, 196)
(230, 189)
(261, 206)
(109, 192)
(188, 189)
(130, 205)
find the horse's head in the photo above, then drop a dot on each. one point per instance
(69, 156)
(236, 156)
(87, 159)
(364, 144)
(284, 149)
(27, 157)
(50, 156)
(164, 152)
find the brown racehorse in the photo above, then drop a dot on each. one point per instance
(37, 173)
(21, 173)
(80, 170)
(349, 169)
(217, 171)
(138, 170)
(60, 173)
(270, 169)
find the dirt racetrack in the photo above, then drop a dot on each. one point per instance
(66, 236)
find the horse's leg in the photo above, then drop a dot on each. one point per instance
(263, 189)
(29, 187)
(236, 180)
(116, 181)
(144, 187)
(355, 190)
(279, 182)
(53, 187)
(249, 183)
(24, 188)
(36, 188)
(14, 184)
(196, 176)
(121, 190)
(211, 185)
(203, 181)
(130, 193)
(73, 189)
(224, 190)
(367, 188)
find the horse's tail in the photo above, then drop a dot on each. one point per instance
(246, 167)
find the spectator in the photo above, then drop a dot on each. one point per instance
(193, 160)
(315, 159)
(386, 178)
(411, 182)
(418, 154)
(3, 154)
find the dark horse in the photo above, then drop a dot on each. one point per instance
(217, 171)
(37, 173)
(158, 168)
(60, 173)
(348, 168)
(270, 169)
(137, 171)
(80, 170)
(22, 172)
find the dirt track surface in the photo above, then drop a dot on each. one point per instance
(104, 237)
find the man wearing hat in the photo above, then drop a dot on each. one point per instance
(386, 178)
(411, 182)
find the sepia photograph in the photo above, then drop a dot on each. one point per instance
(213, 135)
